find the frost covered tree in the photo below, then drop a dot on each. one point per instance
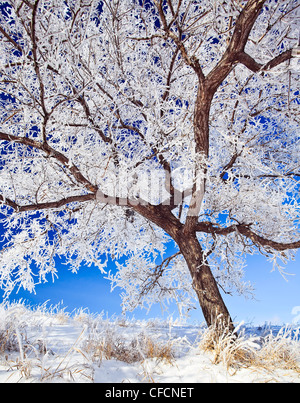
(129, 124)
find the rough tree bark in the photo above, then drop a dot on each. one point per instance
(213, 307)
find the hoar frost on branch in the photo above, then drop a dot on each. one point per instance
(127, 124)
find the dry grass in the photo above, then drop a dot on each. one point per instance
(109, 346)
(38, 365)
(280, 351)
(8, 340)
(231, 349)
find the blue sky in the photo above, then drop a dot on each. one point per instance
(274, 300)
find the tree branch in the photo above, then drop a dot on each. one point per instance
(158, 272)
(81, 99)
(51, 153)
(35, 58)
(243, 229)
(153, 213)
(249, 62)
(47, 205)
(11, 40)
(259, 240)
(283, 57)
(243, 27)
(252, 65)
(190, 61)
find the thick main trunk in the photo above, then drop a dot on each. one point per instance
(204, 283)
(213, 307)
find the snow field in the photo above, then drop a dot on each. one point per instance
(43, 344)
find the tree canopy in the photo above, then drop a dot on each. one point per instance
(127, 124)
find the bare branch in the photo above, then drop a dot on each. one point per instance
(249, 62)
(11, 40)
(82, 101)
(283, 57)
(252, 65)
(47, 205)
(191, 61)
(243, 27)
(152, 281)
(245, 230)
(267, 243)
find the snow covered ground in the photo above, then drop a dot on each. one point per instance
(50, 345)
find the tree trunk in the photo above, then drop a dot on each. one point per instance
(213, 307)
(211, 302)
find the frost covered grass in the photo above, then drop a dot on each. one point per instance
(275, 348)
(48, 344)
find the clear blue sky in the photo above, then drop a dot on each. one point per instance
(275, 298)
